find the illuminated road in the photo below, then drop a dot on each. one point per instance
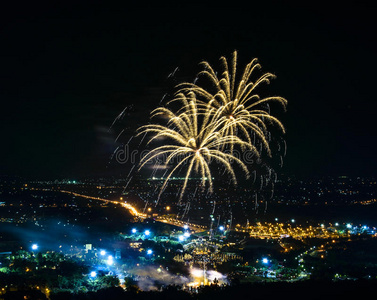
(136, 213)
(126, 205)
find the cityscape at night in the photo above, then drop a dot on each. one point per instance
(188, 151)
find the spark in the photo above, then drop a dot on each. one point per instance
(119, 116)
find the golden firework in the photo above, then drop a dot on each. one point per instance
(236, 102)
(193, 137)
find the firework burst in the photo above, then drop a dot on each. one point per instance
(243, 112)
(194, 137)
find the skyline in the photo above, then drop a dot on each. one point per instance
(67, 75)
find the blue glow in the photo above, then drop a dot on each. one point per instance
(221, 228)
(103, 252)
(265, 260)
(133, 230)
(149, 251)
(93, 274)
(110, 260)
(34, 247)
(147, 232)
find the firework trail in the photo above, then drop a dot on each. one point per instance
(120, 116)
(119, 135)
(128, 182)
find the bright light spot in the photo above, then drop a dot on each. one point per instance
(147, 232)
(103, 252)
(133, 230)
(185, 226)
(336, 224)
(212, 274)
(110, 260)
(34, 247)
(149, 251)
(93, 274)
(181, 238)
(349, 226)
(186, 234)
(196, 272)
(221, 228)
(265, 260)
(293, 220)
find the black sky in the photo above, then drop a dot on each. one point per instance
(68, 70)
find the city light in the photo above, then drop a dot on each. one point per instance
(221, 228)
(134, 230)
(103, 252)
(265, 260)
(186, 234)
(181, 238)
(110, 260)
(34, 247)
(149, 251)
(147, 232)
(185, 226)
(93, 274)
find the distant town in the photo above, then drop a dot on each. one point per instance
(83, 235)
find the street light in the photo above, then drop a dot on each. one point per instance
(149, 251)
(265, 260)
(134, 230)
(221, 228)
(93, 274)
(103, 252)
(34, 247)
(147, 232)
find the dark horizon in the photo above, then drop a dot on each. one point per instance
(68, 71)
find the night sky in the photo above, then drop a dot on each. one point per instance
(68, 70)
